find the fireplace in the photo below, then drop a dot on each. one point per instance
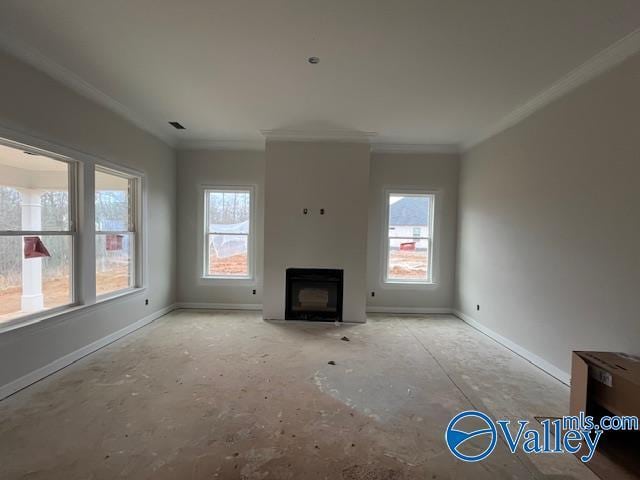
(314, 294)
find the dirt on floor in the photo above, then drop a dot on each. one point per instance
(227, 396)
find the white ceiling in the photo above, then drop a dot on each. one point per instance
(13, 157)
(412, 71)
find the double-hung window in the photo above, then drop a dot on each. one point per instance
(37, 232)
(409, 243)
(44, 239)
(228, 243)
(116, 218)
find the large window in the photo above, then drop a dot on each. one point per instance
(409, 243)
(37, 233)
(116, 224)
(46, 258)
(228, 242)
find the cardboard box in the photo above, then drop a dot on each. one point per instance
(610, 380)
(608, 383)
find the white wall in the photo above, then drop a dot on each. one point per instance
(32, 103)
(334, 176)
(435, 172)
(549, 227)
(198, 168)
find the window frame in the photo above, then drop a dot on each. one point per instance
(83, 198)
(204, 269)
(388, 192)
(72, 232)
(135, 221)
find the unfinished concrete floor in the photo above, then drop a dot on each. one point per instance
(225, 395)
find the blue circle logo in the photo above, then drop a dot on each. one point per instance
(456, 438)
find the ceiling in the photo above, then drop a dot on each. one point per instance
(13, 157)
(415, 72)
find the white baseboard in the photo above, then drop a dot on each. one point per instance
(539, 362)
(414, 310)
(220, 306)
(60, 363)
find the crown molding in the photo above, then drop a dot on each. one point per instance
(600, 63)
(38, 60)
(259, 145)
(318, 135)
(415, 148)
(220, 144)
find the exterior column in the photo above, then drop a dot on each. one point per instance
(32, 299)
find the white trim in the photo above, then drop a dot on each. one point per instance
(410, 310)
(539, 362)
(219, 306)
(415, 148)
(221, 144)
(251, 242)
(416, 192)
(62, 362)
(38, 60)
(600, 63)
(294, 135)
(318, 135)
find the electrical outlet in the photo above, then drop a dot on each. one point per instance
(373, 294)
(478, 308)
(146, 301)
(254, 292)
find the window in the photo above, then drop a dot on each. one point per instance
(116, 235)
(37, 233)
(409, 230)
(228, 242)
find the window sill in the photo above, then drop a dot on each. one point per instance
(407, 284)
(66, 312)
(231, 281)
(119, 294)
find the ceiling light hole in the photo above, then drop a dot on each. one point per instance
(177, 125)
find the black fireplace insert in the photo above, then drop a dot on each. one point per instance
(314, 294)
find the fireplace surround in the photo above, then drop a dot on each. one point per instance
(314, 294)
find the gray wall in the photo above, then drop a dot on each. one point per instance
(315, 175)
(209, 168)
(34, 104)
(549, 228)
(436, 172)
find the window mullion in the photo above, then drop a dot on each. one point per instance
(86, 235)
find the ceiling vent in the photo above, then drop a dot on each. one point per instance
(177, 125)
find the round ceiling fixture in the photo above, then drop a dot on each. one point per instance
(313, 60)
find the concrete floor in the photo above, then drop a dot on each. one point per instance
(225, 395)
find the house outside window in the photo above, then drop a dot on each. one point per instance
(409, 243)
